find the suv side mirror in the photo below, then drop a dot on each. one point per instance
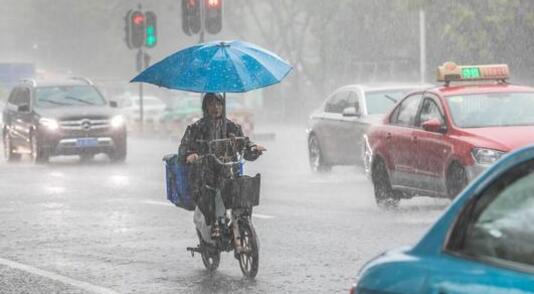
(113, 104)
(23, 108)
(351, 112)
(433, 125)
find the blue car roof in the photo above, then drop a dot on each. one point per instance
(433, 241)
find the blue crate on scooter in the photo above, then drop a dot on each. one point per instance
(176, 181)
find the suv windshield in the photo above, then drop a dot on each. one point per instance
(492, 109)
(381, 101)
(57, 96)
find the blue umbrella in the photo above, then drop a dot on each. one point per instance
(232, 66)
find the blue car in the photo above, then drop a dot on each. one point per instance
(483, 243)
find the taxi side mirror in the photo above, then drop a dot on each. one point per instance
(434, 125)
(113, 104)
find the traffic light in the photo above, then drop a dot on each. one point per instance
(191, 19)
(137, 29)
(213, 16)
(151, 36)
(185, 18)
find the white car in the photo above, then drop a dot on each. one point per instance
(336, 130)
(153, 108)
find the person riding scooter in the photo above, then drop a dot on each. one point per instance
(207, 178)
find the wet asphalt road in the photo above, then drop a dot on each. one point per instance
(97, 227)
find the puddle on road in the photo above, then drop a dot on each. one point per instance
(119, 180)
(54, 189)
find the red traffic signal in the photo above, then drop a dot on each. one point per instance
(137, 29)
(214, 3)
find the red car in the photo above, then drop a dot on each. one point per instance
(434, 142)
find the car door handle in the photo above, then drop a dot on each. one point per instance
(388, 136)
(414, 139)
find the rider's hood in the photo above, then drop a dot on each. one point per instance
(208, 96)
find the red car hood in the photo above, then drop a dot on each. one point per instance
(504, 138)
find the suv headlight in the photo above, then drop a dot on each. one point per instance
(486, 156)
(117, 121)
(49, 123)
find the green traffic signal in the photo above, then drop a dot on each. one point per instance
(151, 38)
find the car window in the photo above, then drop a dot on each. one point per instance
(57, 96)
(406, 111)
(338, 102)
(354, 101)
(500, 226)
(430, 110)
(13, 96)
(381, 101)
(492, 109)
(24, 96)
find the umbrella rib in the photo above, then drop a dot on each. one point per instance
(240, 70)
(255, 58)
(254, 53)
(209, 64)
(256, 78)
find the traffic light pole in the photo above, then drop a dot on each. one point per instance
(142, 121)
(202, 18)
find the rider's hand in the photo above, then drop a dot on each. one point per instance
(258, 148)
(191, 157)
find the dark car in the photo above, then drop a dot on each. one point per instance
(68, 117)
(435, 142)
(336, 128)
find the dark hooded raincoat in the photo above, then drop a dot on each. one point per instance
(206, 174)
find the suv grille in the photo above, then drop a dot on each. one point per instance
(84, 124)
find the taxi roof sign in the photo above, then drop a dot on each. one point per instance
(450, 71)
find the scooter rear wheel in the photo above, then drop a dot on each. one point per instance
(210, 255)
(249, 258)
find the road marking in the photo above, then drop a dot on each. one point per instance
(53, 276)
(163, 203)
(264, 216)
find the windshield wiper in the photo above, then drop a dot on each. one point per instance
(79, 100)
(53, 102)
(390, 98)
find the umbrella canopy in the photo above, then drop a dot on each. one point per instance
(232, 66)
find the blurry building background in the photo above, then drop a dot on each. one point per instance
(329, 43)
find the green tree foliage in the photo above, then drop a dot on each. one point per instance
(480, 32)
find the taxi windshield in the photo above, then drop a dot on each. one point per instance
(379, 102)
(58, 96)
(492, 109)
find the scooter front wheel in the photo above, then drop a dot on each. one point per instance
(210, 255)
(249, 258)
